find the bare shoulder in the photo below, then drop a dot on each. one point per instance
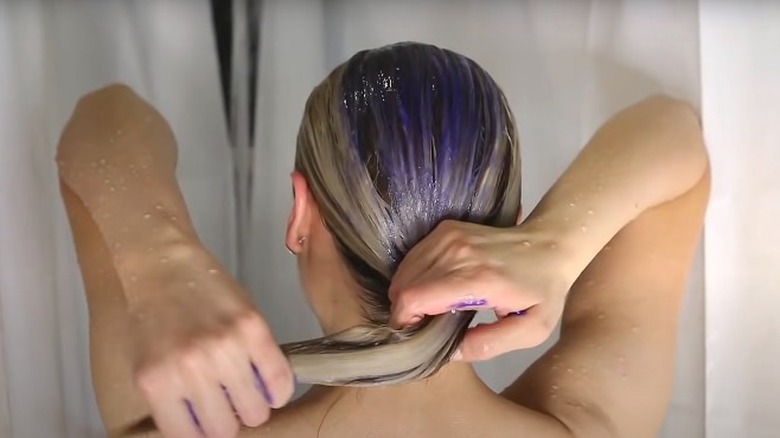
(610, 374)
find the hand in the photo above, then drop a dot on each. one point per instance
(523, 275)
(205, 358)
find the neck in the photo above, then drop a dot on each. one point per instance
(454, 382)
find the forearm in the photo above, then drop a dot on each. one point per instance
(644, 156)
(118, 155)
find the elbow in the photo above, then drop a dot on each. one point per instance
(681, 127)
(112, 90)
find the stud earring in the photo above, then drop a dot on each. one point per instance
(301, 241)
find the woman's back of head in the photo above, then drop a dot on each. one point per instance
(393, 142)
(398, 139)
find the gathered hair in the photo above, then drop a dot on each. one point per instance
(393, 142)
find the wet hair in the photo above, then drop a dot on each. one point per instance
(393, 142)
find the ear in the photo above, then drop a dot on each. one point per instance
(298, 224)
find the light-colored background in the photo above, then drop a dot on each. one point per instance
(565, 66)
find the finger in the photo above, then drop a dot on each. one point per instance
(271, 372)
(173, 418)
(424, 255)
(461, 291)
(212, 408)
(273, 378)
(239, 386)
(419, 260)
(435, 296)
(515, 332)
(163, 389)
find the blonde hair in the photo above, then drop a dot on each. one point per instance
(393, 142)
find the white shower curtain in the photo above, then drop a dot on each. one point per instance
(565, 66)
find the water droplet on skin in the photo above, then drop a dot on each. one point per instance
(191, 284)
(554, 387)
(93, 165)
(635, 329)
(119, 132)
(147, 215)
(102, 161)
(569, 370)
(553, 246)
(525, 243)
(133, 278)
(589, 283)
(584, 228)
(553, 395)
(590, 212)
(213, 271)
(174, 219)
(601, 316)
(607, 248)
(112, 189)
(158, 207)
(163, 259)
(584, 370)
(571, 204)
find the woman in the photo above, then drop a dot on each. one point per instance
(393, 143)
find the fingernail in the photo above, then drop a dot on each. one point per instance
(469, 304)
(457, 355)
(414, 320)
(261, 385)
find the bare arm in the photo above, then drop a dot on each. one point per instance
(645, 173)
(644, 156)
(118, 156)
(171, 330)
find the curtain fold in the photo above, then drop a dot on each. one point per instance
(740, 112)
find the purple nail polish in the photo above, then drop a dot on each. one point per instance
(228, 397)
(518, 313)
(261, 385)
(470, 303)
(191, 410)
